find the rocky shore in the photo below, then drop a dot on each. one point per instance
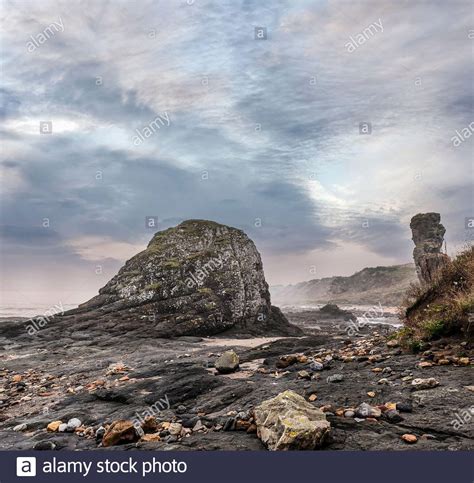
(91, 389)
(183, 350)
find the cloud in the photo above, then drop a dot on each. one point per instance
(263, 135)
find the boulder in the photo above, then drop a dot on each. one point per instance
(199, 278)
(289, 422)
(333, 311)
(228, 362)
(428, 236)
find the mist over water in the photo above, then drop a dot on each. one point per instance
(18, 310)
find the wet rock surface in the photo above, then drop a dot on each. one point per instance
(169, 395)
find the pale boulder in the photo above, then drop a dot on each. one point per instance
(289, 422)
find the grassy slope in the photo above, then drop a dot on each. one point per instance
(446, 307)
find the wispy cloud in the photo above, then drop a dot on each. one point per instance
(273, 124)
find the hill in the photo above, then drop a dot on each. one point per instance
(386, 285)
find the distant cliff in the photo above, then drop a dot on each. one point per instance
(386, 285)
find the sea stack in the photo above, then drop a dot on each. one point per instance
(199, 278)
(428, 236)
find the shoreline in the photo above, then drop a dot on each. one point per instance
(99, 376)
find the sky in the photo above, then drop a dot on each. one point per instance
(257, 114)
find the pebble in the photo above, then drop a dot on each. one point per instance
(229, 425)
(181, 409)
(191, 422)
(316, 366)
(245, 415)
(44, 446)
(20, 427)
(383, 381)
(62, 427)
(313, 397)
(419, 383)
(409, 438)
(73, 423)
(304, 375)
(198, 425)
(393, 416)
(284, 361)
(335, 378)
(99, 434)
(349, 414)
(365, 410)
(53, 426)
(404, 407)
(175, 428)
(150, 437)
(371, 394)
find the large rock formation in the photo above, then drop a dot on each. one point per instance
(199, 278)
(428, 235)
